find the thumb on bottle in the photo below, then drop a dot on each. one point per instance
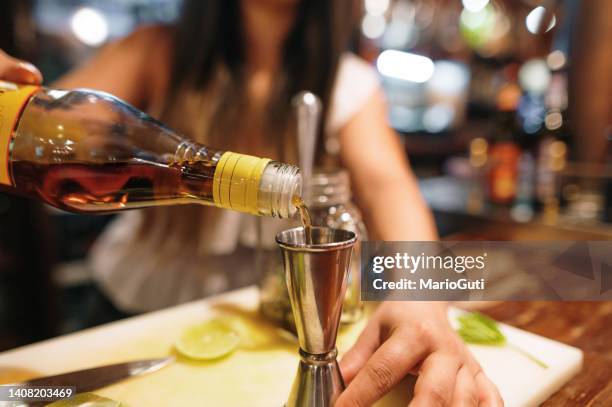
(24, 72)
(17, 71)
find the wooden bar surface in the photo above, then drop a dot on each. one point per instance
(585, 325)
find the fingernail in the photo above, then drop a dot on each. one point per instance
(28, 66)
(33, 75)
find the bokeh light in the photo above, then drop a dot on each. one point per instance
(556, 60)
(535, 18)
(376, 7)
(405, 66)
(373, 26)
(449, 78)
(477, 26)
(89, 26)
(534, 76)
(438, 117)
(475, 5)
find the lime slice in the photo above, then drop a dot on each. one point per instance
(210, 340)
(86, 400)
(255, 334)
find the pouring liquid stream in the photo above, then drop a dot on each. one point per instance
(304, 217)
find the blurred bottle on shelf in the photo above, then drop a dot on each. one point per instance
(552, 160)
(555, 120)
(505, 151)
(553, 150)
(543, 141)
(479, 157)
(523, 208)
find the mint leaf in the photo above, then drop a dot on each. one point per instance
(479, 329)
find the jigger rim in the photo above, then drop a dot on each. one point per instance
(348, 239)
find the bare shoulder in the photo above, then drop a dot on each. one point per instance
(124, 66)
(353, 67)
(146, 38)
(147, 47)
(151, 48)
(356, 82)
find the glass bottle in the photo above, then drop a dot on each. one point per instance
(87, 151)
(329, 200)
(505, 151)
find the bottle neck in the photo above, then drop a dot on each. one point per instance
(245, 183)
(278, 184)
(188, 151)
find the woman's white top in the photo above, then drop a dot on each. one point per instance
(138, 274)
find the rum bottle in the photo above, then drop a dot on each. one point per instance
(87, 151)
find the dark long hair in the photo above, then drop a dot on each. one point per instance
(209, 38)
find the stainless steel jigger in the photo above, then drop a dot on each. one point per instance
(316, 277)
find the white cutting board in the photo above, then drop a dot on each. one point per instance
(261, 373)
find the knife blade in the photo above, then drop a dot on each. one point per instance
(101, 376)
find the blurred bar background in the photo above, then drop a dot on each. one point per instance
(504, 108)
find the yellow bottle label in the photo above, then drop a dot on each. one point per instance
(236, 181)
(13, 99)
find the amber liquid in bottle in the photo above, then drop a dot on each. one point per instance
(87, 151)
(304, 217)
(108, 187)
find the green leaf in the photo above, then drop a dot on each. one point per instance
(479, 329)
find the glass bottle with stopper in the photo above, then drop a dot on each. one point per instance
(87, 151)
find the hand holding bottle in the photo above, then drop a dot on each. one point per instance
(87, 151)
(14, 70)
